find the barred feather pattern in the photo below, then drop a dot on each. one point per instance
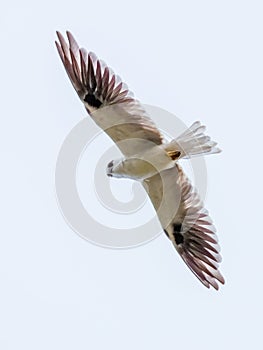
(106, 98)
(195, 236)
(188, 224)
(94, 82)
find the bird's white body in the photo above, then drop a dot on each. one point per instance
(142, 165)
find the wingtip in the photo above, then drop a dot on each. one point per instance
(222, 280)
(59, 35)
(68, 34)
(70, 37)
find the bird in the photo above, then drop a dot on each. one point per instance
(149, 158)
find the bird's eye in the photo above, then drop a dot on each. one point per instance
(110, 164)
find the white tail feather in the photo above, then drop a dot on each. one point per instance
(193, 142)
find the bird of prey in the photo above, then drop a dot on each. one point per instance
(149, 158)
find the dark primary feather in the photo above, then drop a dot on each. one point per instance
(200, 249)
(86, 75)
(106, 98)
(188, 224)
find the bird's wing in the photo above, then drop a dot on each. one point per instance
(107, 99)
(187, 223)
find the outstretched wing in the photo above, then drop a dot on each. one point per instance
(107, 99)
(187, 223)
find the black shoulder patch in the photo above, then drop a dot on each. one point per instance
(179, 238)
(92, 101)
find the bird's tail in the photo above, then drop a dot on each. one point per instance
(193, 142)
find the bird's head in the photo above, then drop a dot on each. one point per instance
(131, 168)
(115, 168)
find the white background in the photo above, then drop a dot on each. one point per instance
(197, 59)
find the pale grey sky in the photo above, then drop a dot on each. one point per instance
(199, 60)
